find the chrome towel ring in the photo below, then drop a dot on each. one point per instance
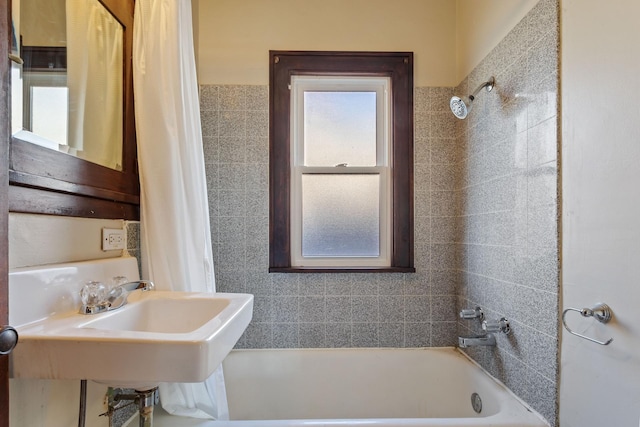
(601, 312)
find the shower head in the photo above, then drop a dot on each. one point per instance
(461, 107)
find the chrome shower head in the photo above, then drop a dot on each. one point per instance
(461, 107)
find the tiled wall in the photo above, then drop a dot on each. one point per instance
(328, 310)
(508, 216)
(132, 229)
(485, 223)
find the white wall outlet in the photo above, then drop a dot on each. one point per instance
(113, 239)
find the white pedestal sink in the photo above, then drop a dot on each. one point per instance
(157, 337)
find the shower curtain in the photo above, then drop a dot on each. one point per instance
(176, 239)
(94, 51)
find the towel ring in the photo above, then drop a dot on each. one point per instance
(601, 312)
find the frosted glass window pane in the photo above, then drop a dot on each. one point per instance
(49, 112)
(339, 127)
(340, 215)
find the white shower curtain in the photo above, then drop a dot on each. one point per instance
(94, 51)
(176, 235)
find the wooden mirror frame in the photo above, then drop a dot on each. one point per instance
(49, 182)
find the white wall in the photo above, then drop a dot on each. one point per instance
(54, 403)
(235, 37)
(601, 210)
(46, 239)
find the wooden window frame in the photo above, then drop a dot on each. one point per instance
(398, 66)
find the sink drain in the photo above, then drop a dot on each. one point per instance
(476, 402)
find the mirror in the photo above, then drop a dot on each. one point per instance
(73, 54)
(72, 108)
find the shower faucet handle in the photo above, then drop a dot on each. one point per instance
(500, 325)
(472, 313)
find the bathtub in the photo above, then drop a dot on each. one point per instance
(362, 387)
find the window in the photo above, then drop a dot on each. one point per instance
(341, 161)
(48, 116)
(340, 176)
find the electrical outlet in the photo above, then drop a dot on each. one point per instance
(112, 239)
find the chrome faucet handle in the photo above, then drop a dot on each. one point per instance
(94, 298)
(97, 299)
(500, 325)
(118, 281)
(93, 293)
(472, 313)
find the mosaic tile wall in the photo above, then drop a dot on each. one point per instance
(328, 310)
(133, 241)
(508, 219)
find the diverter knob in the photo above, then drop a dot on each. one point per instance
(8, 339)
(500, 325)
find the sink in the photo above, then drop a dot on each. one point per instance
(161, 312)
(159, 336)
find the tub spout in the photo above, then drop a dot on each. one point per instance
(476, 340)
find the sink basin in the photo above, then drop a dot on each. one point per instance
(161, 312)
(157, 337)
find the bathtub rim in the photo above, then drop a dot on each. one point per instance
(381, 421)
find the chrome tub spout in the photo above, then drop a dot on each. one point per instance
(476, 340)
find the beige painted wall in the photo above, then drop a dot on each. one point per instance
(236, 36)
(43, 22)
(481, 25)
(601, 205)
(195, 12)
(449, 38)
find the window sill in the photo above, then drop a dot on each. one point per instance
(342, 270)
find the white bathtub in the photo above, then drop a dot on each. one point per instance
(362, 387)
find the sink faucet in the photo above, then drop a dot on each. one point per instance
(144, 285)
(96, 298)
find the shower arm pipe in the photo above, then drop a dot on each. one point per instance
(488, 84)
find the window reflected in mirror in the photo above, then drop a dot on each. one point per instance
(67, 95)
